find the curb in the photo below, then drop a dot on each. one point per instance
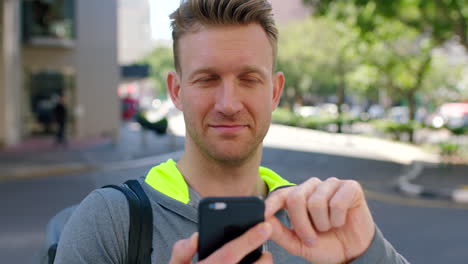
(134, 163)
(404, 185)
(76, 167)
(45, 171)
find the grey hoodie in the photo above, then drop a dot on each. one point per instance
(97, 232)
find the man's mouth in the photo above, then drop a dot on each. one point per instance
(229, 128)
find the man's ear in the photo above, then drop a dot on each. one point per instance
(173, 86)
(278, 85)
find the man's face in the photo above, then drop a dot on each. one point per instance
(226, 90)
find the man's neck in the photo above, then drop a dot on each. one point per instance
(211, 178)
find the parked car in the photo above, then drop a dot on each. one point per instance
(452, 115)
(306, 111)
(330, 109)
(129, 108)
(376, 111)
(399, 114)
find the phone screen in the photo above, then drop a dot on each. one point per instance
(222, 219)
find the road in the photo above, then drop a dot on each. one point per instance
(424, 231)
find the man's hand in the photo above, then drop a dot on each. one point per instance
(331, 220)
(232, 252)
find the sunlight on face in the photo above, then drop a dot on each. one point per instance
(227, 90)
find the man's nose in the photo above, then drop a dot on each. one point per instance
(228, 100)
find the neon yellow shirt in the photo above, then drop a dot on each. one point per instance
(167, 179)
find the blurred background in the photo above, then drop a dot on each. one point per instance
(376, 91)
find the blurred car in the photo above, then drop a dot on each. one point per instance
(356, 111)
(330, 109)
(376, 111)
(129, 108)
(452, 115)
(306, 111)
(399, 114)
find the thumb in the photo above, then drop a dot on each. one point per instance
(285, 237)
(184, 250)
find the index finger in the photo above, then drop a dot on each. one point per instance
(276, 201)
(235, 250)
(184, 250)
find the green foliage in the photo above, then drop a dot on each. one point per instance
(285, 117)
(348, 119)
(362, 81)
(443, 20)
(320, 122)
(458, 131)
(158, 127)
(396, 129)
(446, 76)
(448, 149)
(161, 62)
(309, 62)
(397, 41)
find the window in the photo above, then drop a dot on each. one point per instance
(48, 19)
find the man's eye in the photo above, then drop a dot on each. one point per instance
(207, 79)
(249, 80)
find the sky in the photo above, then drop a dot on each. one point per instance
(160, 23)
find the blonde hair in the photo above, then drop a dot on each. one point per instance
(192, 14)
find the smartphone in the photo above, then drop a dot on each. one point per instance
(221, 219)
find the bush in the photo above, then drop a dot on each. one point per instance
(285, 117)
(448, 149)
(317, 122)
(394, 128)
(349, 120)
(159, 127)
(320, 122)
(458, 131)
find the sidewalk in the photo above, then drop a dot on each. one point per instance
(39, 157)
(435, 181)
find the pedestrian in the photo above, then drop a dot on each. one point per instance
(60, 115)
(226, 87)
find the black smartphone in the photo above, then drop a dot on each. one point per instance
(221, 219)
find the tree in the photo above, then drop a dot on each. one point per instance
(311, 64)
(403, 58)
(161, 62)
(302, 57)
(406, 64)
(442, 20)
(399, 38)
(448, 71)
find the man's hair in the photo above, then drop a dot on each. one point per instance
(192, 14)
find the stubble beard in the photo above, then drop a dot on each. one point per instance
(213, 152)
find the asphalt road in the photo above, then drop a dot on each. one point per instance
(422, 230)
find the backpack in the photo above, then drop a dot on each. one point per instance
(140, 233)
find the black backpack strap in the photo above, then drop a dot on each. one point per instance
(51, 253)
(139, 249)
(146, 233)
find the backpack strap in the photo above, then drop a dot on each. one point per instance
(146, 233)
(140, 231)
(51, 253)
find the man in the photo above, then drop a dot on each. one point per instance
(60, 115)
(226, 87)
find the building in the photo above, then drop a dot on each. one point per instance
(135, 43)
(134, 31)
(50, 48)
(289, 11)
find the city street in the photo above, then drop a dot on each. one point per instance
(424, 231)
(92, 94)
